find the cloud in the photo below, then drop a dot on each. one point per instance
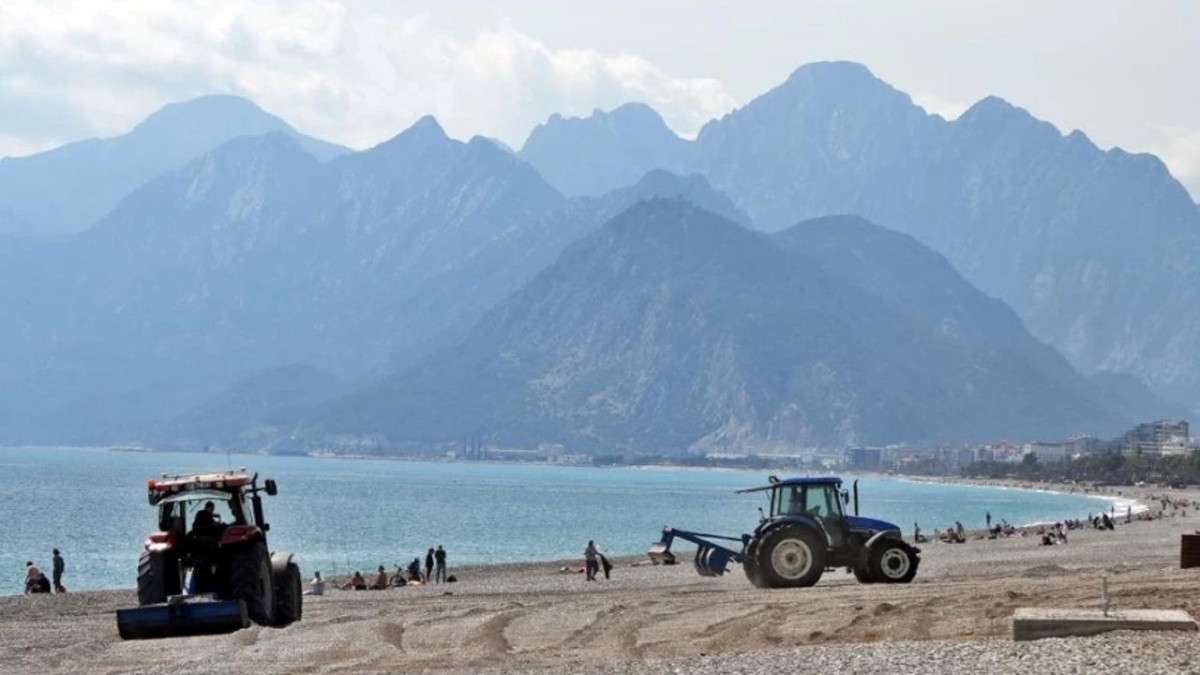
(1179, 149)
(77, 69)
(937, 105)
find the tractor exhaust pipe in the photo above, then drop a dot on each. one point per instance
(856, 496)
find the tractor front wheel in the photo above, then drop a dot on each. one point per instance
(892, 562)
(158, 577)
(288, 595)
(791, 557)
(250, 581)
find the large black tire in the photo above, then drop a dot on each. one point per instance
(250, 581)
(750, 565)
(289, 595)
(791, 556)
(891, 561)
(862, 572)
(158, 577)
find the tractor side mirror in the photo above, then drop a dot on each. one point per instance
(271, 488)
(845, 496)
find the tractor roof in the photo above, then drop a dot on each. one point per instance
(170, 484)
(801, 480)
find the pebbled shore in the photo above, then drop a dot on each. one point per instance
(529, 618)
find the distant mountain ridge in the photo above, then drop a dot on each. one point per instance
(673, 329)
(1094, 249)
(257, 256)
(65, 190)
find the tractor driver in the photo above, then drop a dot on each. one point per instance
(207, 521)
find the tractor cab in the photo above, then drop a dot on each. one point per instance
(819, 499)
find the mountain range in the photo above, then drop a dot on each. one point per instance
(1096, 250)
(671, 327)
(223, 279)
(257, 256)
(65, 190)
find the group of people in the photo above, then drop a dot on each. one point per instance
(1053, 535)
(36, 581)
(435, 572)
(1049, 535)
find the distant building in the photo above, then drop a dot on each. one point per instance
(1162, 437)
(864, 459)
(1050, 451)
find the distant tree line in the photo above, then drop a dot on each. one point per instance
(1108, 467)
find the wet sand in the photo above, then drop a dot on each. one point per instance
(954, 618)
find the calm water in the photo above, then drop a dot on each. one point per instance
(341, 514)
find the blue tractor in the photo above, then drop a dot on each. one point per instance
(805, 532)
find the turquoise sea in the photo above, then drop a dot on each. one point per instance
(346, 514)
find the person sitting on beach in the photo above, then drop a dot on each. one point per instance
(357, 582)
(1106, 523)
(317, 585)
(381, 580)
(1047, 540)
(414, 571)
(35, 581)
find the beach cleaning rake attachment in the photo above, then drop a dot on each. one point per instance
(182, 615)
(711, 560)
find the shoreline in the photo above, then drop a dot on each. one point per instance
(521, 618)
(1134, 503)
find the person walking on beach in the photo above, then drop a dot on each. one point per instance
(439, 557)
(429, 566)
(590, 555)
(58, 566)
(989, 520)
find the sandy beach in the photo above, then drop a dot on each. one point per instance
(528, 618)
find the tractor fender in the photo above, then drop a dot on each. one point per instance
(240, 534)
(807, 522)
(279, 562)
(888, 534)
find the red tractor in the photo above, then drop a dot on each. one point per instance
(208, 569)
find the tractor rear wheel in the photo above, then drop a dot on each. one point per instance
(892, 562)
(158, 577)
(790, 557)
(250, 581)
(289, 595)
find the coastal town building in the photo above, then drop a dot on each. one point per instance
(1158, 438)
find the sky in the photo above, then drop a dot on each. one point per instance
(359, 71)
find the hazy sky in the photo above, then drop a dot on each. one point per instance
(359, 72)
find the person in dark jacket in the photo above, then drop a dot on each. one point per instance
(59, 567)
(429, 566)
(414, 570)
(439, 557)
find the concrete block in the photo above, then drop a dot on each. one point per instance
(1033, 623)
